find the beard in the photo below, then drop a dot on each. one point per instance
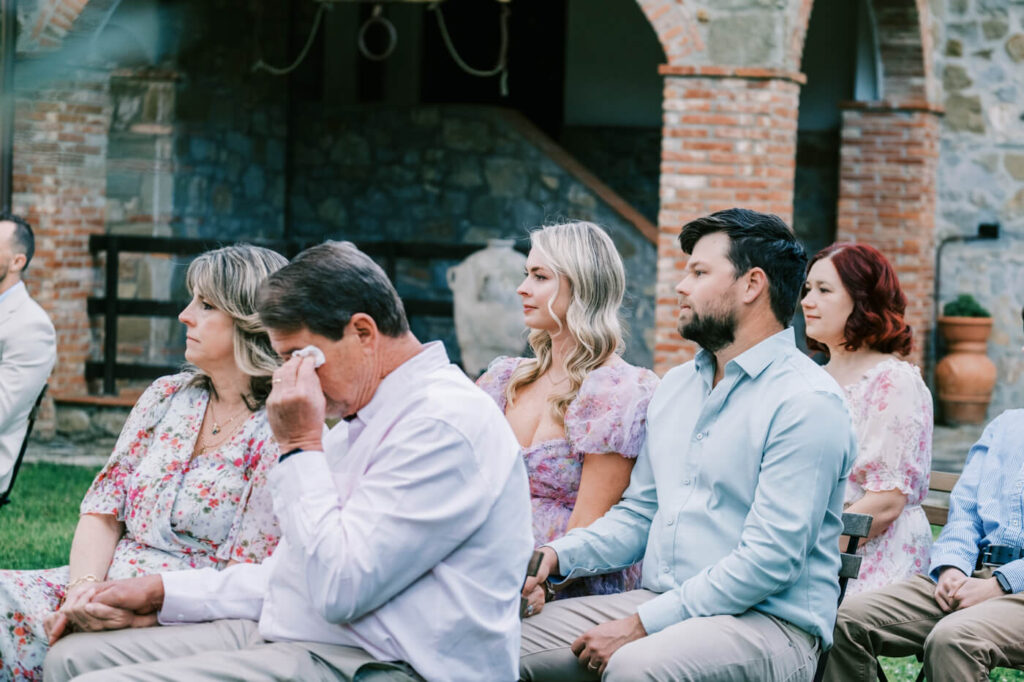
(710, 331)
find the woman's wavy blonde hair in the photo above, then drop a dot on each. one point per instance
(229, 279)
(586, 256)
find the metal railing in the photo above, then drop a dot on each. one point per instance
(111, 306)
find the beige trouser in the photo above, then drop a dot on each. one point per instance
(751, 646)
(221, 650)
(903, 619)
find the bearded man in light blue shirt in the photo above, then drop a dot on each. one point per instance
(735, 501)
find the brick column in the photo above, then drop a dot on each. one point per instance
(60, 147)
(729, 140)
(888, 160)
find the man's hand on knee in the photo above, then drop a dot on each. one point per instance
(976, 590)
(950, 581)
(595, 647)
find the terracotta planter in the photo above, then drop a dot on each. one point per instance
(966, 376)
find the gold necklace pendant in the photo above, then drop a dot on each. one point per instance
(216, 429)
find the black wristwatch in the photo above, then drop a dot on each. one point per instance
(1003, 582)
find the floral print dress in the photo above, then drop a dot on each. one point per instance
(179, 512)
(608, 415)
(891, 410)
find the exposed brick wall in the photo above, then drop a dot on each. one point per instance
(902, 38)
(60, 148)
(46, 24)
(676, 28)
(888, 162)
(729, 140)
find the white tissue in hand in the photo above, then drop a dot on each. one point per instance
(313, 352)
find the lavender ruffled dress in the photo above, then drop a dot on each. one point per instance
(608, 415)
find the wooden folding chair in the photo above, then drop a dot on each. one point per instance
(856, 526)
(33, 413)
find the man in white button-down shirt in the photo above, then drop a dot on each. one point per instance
(406, 529)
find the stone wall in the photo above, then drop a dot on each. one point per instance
(450, 174)
(627, 158)
(980, 51)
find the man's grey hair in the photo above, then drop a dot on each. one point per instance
(324, 286)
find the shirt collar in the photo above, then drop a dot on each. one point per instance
(18, 285)
(399, 380)
(755, 359)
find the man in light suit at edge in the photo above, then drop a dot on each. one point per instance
(28, 346)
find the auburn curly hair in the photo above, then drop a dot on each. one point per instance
(878, 300)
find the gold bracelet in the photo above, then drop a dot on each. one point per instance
(88, 578)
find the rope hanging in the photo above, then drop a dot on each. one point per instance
(502, 65)
(377, 18)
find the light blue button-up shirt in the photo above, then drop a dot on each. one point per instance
(735, 501)
(986, 506)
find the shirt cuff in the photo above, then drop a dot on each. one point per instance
(567, 549)
(661, 612)
(1014, 574)
(945, 559)
(185, 596)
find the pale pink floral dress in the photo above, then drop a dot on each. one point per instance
(891, 410)
(608, 415)
(178, 514)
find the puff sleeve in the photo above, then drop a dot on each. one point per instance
(894, 433)
(496, 378)
(112, 485)
(610, 411)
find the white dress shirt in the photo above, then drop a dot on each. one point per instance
(408, 538)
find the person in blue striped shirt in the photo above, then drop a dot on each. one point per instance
(967, 615)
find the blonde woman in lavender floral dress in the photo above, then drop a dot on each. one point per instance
(185, 485)
(853, 307)
(577, 408)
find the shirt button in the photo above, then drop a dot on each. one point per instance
(700, 436)
(664, 569)
(1013, 523)
(670, 522)
(686, 481)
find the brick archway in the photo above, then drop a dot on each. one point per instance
(45, 23)
(889, 158)
(729, 138)
(676, 28)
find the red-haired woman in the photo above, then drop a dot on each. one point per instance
(853, 307)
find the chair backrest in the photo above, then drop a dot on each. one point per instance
(939, 482)
(5, 497)
(855, 527)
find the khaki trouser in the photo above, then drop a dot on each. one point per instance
(751, 646)
(903, 619)
(221, 650)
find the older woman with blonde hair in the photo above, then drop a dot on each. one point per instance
(577, 408)
(185, 485)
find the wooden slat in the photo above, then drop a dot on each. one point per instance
(856, 525)
(850, 567)
(936, 515)
(942, 481)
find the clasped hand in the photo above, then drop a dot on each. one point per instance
(955, 590)
(112, 605)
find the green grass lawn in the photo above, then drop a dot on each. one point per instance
(36, 527)
(36, 530)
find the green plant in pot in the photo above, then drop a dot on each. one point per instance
(966, 376)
